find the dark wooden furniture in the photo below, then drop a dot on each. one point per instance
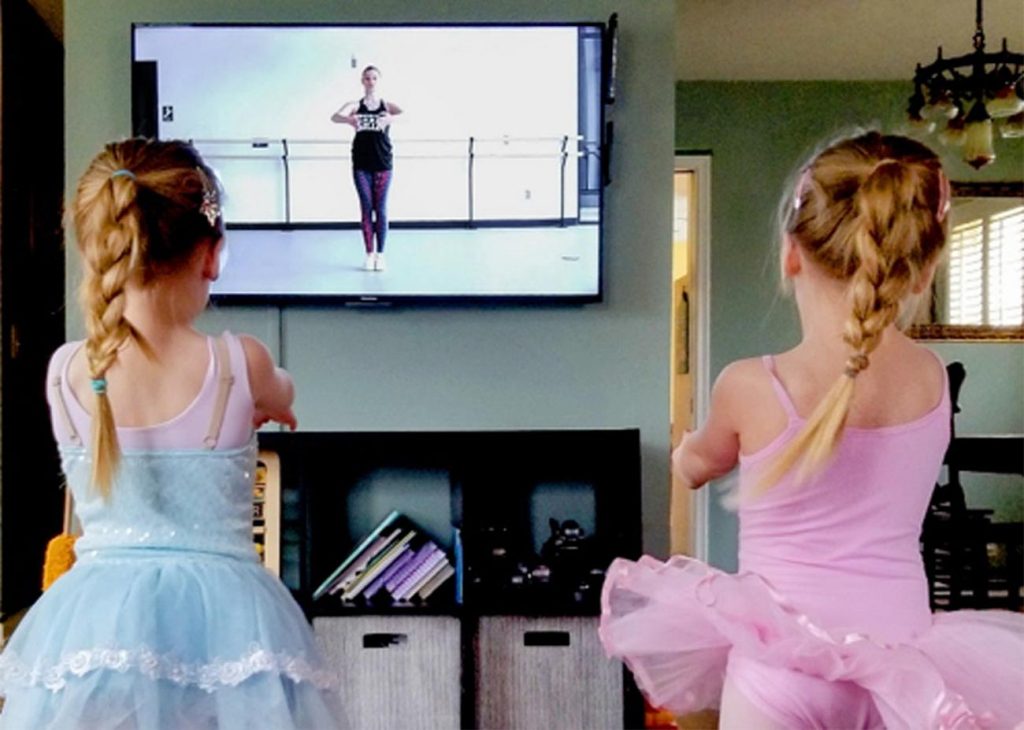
(506, 651)
(971, 561)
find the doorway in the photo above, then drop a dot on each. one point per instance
(689, 385)
(31, 295)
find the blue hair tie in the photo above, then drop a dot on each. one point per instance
(122, 173)
(99, 385)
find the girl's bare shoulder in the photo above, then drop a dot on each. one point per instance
(749, 397)
(743, 379)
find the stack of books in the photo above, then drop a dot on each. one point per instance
(266, 510)
(397, 563)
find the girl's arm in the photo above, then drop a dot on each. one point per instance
(273, 391)
(344, 115)
(713, 449)
(393, 109)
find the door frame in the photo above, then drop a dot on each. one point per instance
(700, 264)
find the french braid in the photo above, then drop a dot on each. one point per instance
(870, 211)
(141, 207)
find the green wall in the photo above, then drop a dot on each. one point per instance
(597, 365)
(437, 368)
(758, 133)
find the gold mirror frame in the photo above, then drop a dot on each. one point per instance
(980, 333)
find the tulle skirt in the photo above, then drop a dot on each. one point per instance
(145, 640)
(676, 625)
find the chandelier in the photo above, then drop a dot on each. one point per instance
(963, 95)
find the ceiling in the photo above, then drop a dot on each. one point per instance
(831, 39)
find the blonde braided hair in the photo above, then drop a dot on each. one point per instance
(141, 208)
(869, 211)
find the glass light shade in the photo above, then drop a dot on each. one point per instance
(919, 124)
(978, 150)
(940, 107)
(953, 134)
(1012, 127)
(1005, 103)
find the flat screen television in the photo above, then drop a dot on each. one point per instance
(497, 154)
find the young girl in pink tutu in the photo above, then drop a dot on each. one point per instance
(839, 443)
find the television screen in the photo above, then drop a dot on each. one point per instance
(378, 163)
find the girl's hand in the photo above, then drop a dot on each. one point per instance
(384, 120)
(286, 418)
(678, 462)
(677, 450)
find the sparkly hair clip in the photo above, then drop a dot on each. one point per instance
(210, 207)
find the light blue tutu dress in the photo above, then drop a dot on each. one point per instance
(167, 619)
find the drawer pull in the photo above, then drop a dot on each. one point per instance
(545, 638)
(383, 641)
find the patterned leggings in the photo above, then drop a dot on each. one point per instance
(373, 201)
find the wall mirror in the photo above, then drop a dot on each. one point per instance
(978, 291)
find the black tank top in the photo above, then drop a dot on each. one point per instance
(371, 147)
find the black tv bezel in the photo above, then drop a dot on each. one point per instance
(607, 32)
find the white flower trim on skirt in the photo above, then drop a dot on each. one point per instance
(208, 676)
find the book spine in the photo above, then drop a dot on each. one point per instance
(416, 587)
(460, 564)
(375, 567)
(428, 576)
(404, 588)
(428, 549)
(447, 571)
(397, 564)
(356, 569)
(324, 587)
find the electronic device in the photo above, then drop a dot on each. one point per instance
(497, 140)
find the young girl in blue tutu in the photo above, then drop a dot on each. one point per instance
(839, 442)
(167, 619)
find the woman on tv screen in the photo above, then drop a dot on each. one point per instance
(372, 162)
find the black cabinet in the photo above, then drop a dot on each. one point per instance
(536, 517)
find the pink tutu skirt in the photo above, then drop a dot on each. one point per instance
(676, 623)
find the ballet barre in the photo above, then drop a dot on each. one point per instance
(260, 142)
(471, 150)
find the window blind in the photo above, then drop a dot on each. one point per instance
(986, 270)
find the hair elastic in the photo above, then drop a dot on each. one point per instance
(99, 385)
(122, 173)
(855, 364)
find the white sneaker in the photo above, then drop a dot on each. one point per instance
(371, 263)
(378, 262)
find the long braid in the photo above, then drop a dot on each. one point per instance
(110, 239)
(881, 280)
(874, 218)
(140, 208)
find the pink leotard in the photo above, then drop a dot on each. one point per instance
(185, 430)
(845, 547)
(827, 623)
